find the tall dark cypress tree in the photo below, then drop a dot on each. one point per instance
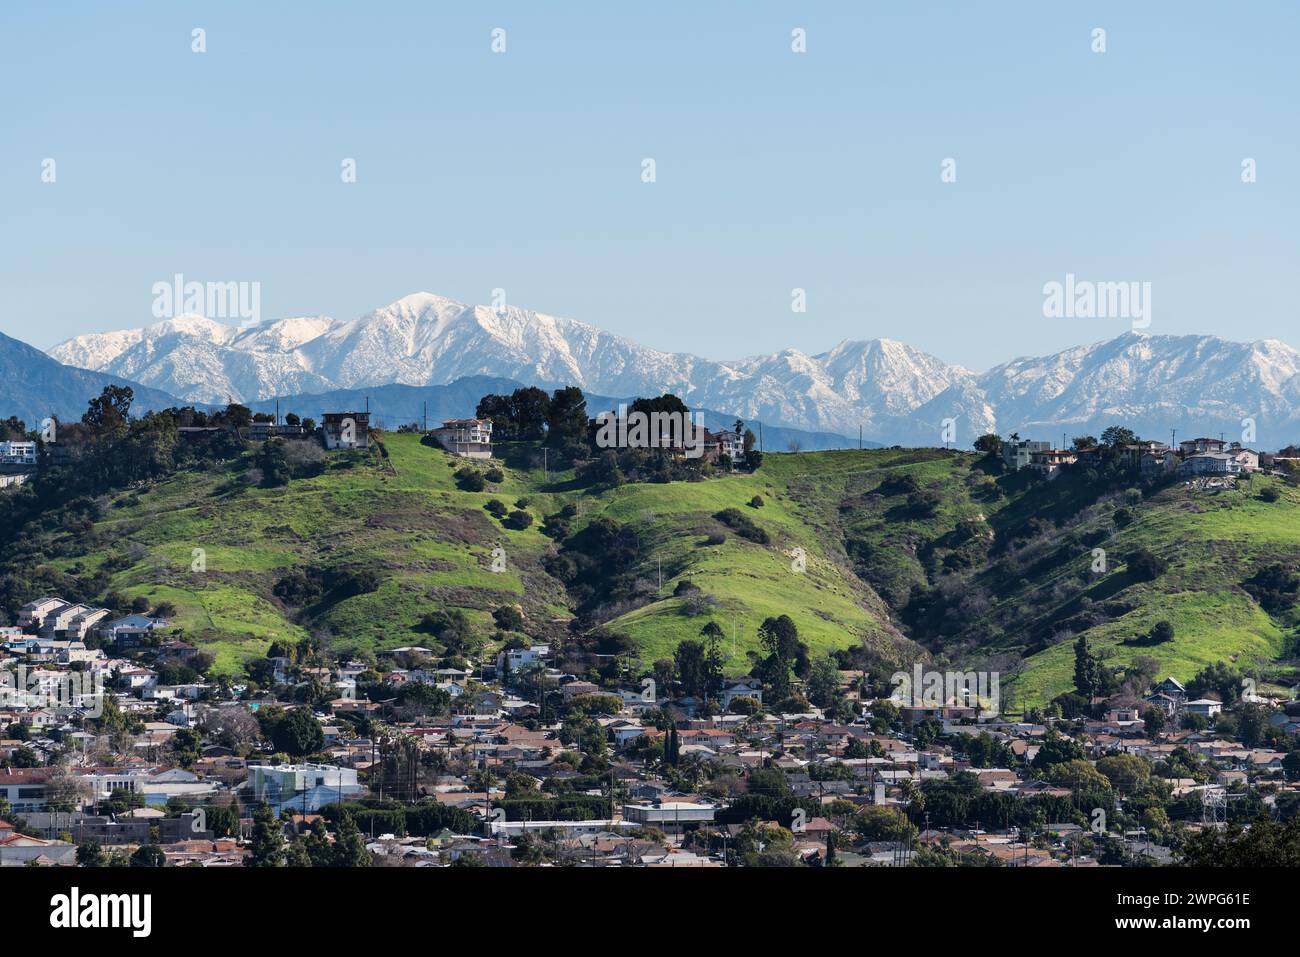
(267, 849)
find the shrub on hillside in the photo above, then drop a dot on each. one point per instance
(744, 527)
(1144, 565)
(518, 520)
(470, 480)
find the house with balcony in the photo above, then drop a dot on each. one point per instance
(469, 438)
(1017, 455)
(1210, 463)
(1048, 462)
(346, 430)
(728, 443)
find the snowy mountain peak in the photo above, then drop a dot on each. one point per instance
(894, 392)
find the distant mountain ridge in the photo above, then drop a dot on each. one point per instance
(894, 393)
(33, 386)
(424, 339)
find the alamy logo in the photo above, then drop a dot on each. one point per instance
(651, 430)
(947, 689)
(73, 910)
(1085, 299)
(212, 300)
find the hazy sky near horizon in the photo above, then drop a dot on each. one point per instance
(522, 170)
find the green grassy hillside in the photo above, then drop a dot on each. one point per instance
(899, 546)
(402, 514)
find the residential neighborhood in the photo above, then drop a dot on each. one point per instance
(528, 758)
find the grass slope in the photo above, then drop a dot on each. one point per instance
(1012, 555)
(402, 513)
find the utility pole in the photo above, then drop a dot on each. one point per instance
(859, 438)
(760, 437)
(425, 417)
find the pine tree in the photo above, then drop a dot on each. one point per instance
(832, 860)
(1087, 674)
(268, 840)
(349, 845)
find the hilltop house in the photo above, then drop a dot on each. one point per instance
(1131, 455)
(1017, 455)
(1210, 463)
(728, 443)
(1157, 463)
(346, 430)
(17, 453)
(1200, 446)
(260, 431)
(470, 438)
(1047, 462)
(1248, 459)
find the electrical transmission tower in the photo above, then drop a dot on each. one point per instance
(1214, 806)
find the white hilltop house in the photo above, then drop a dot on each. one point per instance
(469, 438)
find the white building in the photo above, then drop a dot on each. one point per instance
(516, 659)
(741, 690)
(728, 443)
(1210, 463)
(309, 786)
(17, 453)
(1048, 462)
(569, 829)
(470, 438)
(1018, 454)
(1248, 458)
(669, 814)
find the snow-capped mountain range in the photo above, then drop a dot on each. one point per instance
(894, 392)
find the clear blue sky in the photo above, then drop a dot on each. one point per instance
(775, 170)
